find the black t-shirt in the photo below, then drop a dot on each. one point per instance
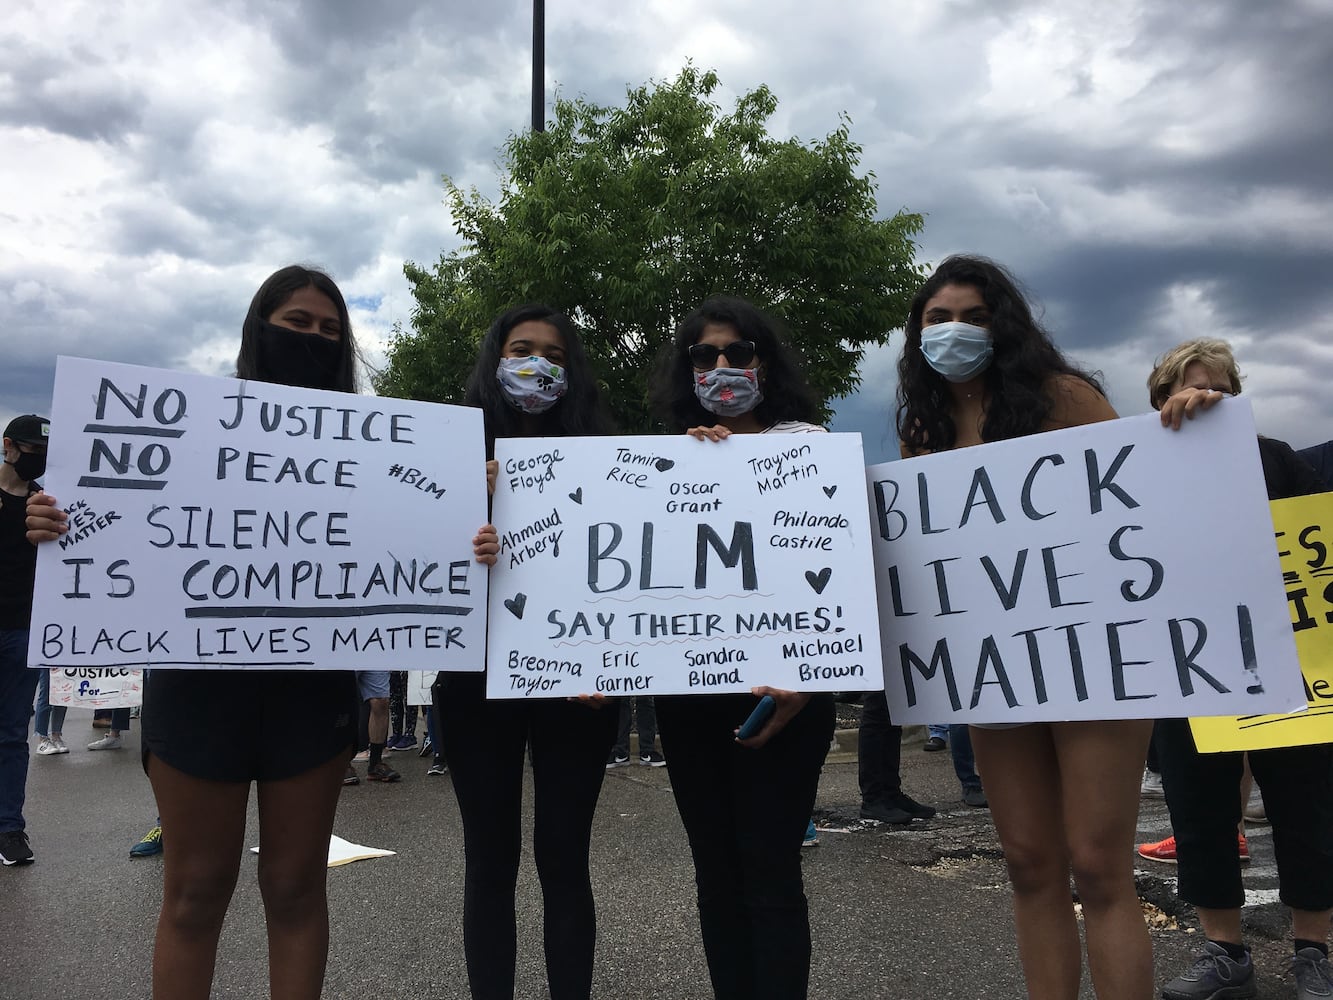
(18, 563)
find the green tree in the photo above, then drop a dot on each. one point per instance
(626, 218)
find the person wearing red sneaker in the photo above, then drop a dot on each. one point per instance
(1203, 790)
(1165, 850)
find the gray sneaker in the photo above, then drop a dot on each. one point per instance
(1214, 975)
(1313, 975)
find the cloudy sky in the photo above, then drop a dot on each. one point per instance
(1152, 171)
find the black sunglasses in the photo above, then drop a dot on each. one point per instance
(739, 353)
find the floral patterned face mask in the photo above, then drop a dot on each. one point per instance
(728, 392)
(532, 385)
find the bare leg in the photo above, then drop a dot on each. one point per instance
(378, 726)
(1023, 785)
(1101, 764)
(1310, 925)
(295, 822)
(204, 821)
(1220, 925)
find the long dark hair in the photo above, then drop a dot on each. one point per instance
(272, 294)
(580, 411)
(787, 395)
(1017, 382)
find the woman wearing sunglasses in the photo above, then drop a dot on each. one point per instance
(745, 803)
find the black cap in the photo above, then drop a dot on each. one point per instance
(29, 429)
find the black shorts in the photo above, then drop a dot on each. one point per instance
(248, 725)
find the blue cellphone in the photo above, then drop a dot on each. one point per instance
(761, 714)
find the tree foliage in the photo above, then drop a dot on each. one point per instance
(626, 218)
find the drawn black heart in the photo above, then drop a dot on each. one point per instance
(830, 490)
(818, 581)
(577, 496)
(516, 604)
(663, 464)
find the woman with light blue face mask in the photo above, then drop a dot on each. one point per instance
(975, 368)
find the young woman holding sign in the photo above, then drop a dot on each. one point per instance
(207, 734)
(745, 803)
(532, 379)
(976, 367)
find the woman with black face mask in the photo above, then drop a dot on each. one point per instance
(207, 734)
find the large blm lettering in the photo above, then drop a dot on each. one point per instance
(605, 538)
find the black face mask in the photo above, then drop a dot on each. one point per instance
(306, 360)
(30, 465)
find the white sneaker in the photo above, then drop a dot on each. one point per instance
(107, 742)
(48, 747)
(59, 741)
(1151, 788)
(1254, 808)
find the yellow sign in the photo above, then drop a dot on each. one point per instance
(1304, 528)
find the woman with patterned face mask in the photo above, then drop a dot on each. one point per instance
(976, 368)
(745, 804)
(531, 379)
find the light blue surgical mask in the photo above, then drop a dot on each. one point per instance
(958, 351)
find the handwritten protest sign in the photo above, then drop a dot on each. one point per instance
(418, 686)
(221, 523)
(663, 565)
(1304, 528)
(1116, 570)
(97, 687)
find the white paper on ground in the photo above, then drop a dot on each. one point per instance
(344, 852)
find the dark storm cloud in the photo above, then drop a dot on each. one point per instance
(405, 86)
(76, 94)
(1110, 294)
(27, 388)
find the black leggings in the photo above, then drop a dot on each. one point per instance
(402, 716)
(1203, 797)
(880, 757)
(484, 742)
(746, 812)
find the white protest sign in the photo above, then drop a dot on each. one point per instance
(1115, 570)
(418, 686)
(220, 523)
(665, 565)
(97, 687)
